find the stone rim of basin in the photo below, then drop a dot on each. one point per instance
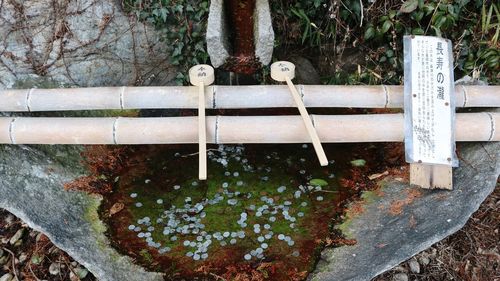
(483, 158)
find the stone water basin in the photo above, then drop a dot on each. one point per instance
(263, 204)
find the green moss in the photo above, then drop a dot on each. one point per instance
(345, 228)
(91, 215)
(68, 156)
(163, 172)
(370, 196)
(367, 197)
(146, 255)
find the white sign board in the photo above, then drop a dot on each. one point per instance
(429, 101)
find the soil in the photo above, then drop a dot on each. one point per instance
(31, 257)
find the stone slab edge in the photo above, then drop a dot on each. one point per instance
(217, 36)
(263, 32)
(385, 240)
(69, 219)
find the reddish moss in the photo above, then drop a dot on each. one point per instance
(396, 207)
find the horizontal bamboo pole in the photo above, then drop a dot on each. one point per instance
(221, 97)
(230, 129)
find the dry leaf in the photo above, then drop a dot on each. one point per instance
(376, 176)
(117, 207)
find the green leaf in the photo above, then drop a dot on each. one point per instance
(418, 31)
(358, 162)
(418, 15)
(440, 20)
(318, 182)
(385, 27)
(409, 6)
(36, 259)
(369, 33)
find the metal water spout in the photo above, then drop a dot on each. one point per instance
(240, 37)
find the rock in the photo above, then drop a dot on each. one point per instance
(439, 214)
(55, 268)
(305, 73)
(399, 269)
(218, 45)
(467, 80)
(424, 260)
(15, 238)
(7, 277)
(414, 266)
(400, 277)
(263, 32)
(31, 188)
(1, 252)
(84, 43)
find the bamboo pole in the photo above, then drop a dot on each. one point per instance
(221, 97)
(230, 129)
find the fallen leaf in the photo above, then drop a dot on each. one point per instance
(376, 176)
(117, 207)
(358, 162)
(318, 182)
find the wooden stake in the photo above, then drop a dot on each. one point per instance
(200, 75)
(431, 176)
(284, 72)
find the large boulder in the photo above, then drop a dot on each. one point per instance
(398, 222)
(86, 43)
(31, 187)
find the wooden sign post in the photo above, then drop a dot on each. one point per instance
(429, 111)
(284, 71)
(202, 75)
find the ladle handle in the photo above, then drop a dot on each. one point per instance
(202, 133)
(308, 123)
(201, 75)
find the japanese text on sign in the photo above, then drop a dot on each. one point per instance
(431, 135)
